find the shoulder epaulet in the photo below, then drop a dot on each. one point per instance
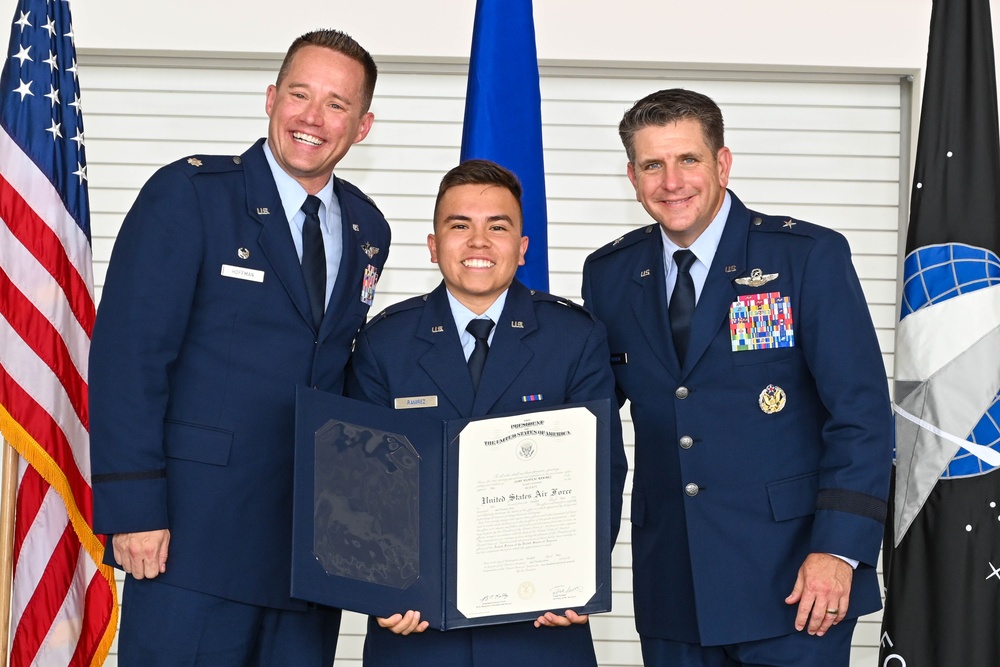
(633, 237)
(349, 187)
(389, 311)
(540, 296)
(210, 163)
(760, 222)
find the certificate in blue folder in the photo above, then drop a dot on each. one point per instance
(470, 521)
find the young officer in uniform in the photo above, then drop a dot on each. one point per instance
(538, 345)
(234, 279)
(760, 404)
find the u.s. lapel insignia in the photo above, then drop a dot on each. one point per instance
(757, 278)
(645, 272)
(369, 249)
(438, 329)
(262, 210)
(355, 228)
(243, 253)
(517, 324)
(195, 162)
(730, 268)
(771, 399)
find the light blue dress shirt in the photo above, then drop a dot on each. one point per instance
(463, 316)
(704, 248)
(293, 196)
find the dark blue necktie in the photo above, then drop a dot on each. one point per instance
(682, 302)
(314, 259)
(480, 330)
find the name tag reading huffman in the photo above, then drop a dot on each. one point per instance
(408, 402)
(254, 275)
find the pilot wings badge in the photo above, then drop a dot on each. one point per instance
(369, 249)
(757, 278)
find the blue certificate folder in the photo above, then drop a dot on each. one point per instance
(375, 510)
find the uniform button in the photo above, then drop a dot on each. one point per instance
(681, 392)
(692, 490)
(686, 442)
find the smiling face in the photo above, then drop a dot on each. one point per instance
(678, 179)
(316, 114)
(477, 243)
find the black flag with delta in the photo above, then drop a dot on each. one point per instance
(942, 547)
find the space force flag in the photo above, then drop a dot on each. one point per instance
(942, 547)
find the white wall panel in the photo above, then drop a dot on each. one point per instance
(820, 146)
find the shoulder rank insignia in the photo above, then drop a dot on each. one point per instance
(369, 249)
(195, 162)
(789, 223)
(757, 278)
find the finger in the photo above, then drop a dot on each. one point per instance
(389, 622)
(819, 618)
(407, 623)
(412, 623)
(804, 611)
(828, 621)
(575, 618)
(151, 566)
(164, 550)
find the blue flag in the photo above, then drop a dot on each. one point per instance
(503, 116)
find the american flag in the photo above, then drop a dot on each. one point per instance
(64, 603)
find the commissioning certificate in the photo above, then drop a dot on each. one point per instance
(527, 512)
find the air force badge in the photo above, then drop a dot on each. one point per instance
(369, 249)
(757, 278)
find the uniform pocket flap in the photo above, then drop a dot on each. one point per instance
(197, 443)
(794, 497)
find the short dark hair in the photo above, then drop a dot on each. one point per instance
(340, 42)
(480, 172)
(669, 106)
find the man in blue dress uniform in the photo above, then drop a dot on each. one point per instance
(760, 404)
(540, 348)
(234, 279)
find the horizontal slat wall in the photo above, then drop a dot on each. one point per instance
(825, 148)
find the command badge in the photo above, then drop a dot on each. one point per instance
(771, 399)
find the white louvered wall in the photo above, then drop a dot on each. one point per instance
(823, 147)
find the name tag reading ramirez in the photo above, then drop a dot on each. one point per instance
(408, 402)
(242, 273)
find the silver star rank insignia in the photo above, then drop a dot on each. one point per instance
(194, 162)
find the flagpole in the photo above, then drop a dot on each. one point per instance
(8, 499)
